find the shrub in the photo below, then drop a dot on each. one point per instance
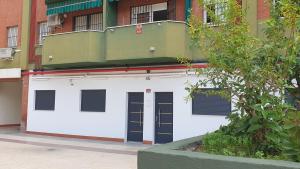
(255, 72)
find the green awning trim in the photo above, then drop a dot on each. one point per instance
(71, 6)
(52, 1)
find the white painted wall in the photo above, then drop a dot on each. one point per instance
(10, 102)
(67, 118)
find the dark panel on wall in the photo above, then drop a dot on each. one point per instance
(44, 99)
(93, 100)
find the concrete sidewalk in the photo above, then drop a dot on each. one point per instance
(23, 151)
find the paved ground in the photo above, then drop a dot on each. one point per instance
(21, 151)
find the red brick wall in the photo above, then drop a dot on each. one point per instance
(125, 6)
(41, 11)
(180, 10)
(10, 15)
(263, 9)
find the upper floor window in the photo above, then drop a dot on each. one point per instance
(154, 12)
(214, 12)
(43, 31)
(12, 37)
(88, 22)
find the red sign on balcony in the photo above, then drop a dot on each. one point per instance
(139, 29)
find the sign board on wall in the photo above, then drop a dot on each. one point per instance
(139, 29)
(10, 73)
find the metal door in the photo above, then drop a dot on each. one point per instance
(135, 117)
(163, 117)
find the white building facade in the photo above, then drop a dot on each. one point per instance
(135, 106)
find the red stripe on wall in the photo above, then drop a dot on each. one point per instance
(174, 67)
(77, 136)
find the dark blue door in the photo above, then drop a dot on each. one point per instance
(163, 117)
(135, 117)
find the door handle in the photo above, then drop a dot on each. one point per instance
(141, 117)
(158, 117)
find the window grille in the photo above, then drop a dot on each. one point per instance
(154, 12)
(12, 37)
(81, 23)
(88, 22)
(43, 31)
(141, 14)
(96, 21)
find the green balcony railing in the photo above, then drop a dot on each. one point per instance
(14, 62)
(158, 42)
(73, 49)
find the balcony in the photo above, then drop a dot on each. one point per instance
(157, 42)
(14, 62)
(75, 49)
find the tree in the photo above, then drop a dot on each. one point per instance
(254, 71)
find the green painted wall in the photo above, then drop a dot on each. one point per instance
(76, 47)
(167, 38)
(251, 7)
(119, 46)
(25, 33)
(14, 63)
(169, 156)
(38, 50)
